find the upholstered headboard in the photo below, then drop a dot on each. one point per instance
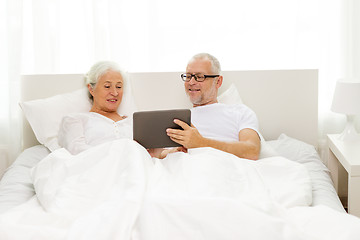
(285, 101)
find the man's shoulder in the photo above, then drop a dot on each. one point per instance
(221, 108)
(234, 107)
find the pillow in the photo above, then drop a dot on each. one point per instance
(45, 115)
(298, 151)
(293, 149)
(266, 150)
(232, 96)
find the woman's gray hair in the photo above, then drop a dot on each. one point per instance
(215, 64)
(98, 70)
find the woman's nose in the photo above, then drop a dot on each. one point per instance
(114, 91)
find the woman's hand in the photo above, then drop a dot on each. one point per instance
(172, 150)
(155, 152)
(163, 152)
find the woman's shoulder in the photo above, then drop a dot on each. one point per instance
(76, 117)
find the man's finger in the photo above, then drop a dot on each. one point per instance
(181, 124)
(176, 136)
(176, 140)
(174, 131)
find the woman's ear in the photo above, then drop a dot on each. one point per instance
(91, 91)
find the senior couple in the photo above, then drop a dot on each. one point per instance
(229, 128)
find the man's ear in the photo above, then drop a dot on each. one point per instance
(219, 81)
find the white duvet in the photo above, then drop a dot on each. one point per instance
(117, 191)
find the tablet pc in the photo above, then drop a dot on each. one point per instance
(149, 127)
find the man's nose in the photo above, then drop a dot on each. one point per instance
(192, 80)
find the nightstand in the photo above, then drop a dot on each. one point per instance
(344, 164)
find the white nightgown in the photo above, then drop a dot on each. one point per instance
(81, 131)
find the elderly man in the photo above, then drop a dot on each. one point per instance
(230, 128)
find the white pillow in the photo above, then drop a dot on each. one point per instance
(266, 150)
(298, 151)
(232, 96)
(45, 115)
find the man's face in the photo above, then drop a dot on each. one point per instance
(201, 93)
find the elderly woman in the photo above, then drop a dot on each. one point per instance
(80, 131)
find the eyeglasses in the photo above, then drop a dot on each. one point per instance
(186, 77)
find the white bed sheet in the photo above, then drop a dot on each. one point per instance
(16, 186)
(206, 194)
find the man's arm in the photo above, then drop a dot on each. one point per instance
(247, 147)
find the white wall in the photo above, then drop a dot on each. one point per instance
(356, 38)
(3, 159)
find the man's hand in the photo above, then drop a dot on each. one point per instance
(188, 138)
(248, 145)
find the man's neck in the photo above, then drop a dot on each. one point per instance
(207, 103)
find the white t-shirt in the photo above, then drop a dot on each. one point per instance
(223, 122)
(81, 131)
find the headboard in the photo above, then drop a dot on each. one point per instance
(285, 101)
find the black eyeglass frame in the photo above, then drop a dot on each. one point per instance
(196, 77)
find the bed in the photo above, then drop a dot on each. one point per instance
(285, 102)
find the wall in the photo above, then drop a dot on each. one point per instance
(3, 159)
(356, 38)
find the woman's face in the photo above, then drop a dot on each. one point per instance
(108, 92)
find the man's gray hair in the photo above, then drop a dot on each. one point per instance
(215, 64)
(99, 69)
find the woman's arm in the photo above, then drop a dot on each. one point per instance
(71, 135)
